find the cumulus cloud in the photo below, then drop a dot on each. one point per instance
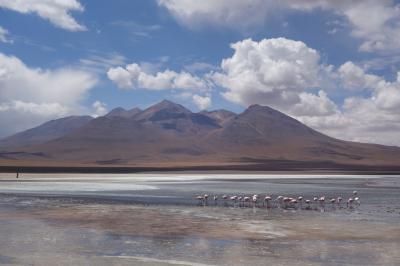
(4, 35)
(284, 73)
(374, 22)
(374, 118)
(202, 102)
(353, 77)
(271, 72)
(100, 108)
(133, 76)
(57, 12)
(314, 105)
(29, 96)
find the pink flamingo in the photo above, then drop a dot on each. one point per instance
(308, 203)
(322, 202)
(206, 199)
(293, 203)
(267, 199)
(200, 200)
(300, 199)
(245, 199)
(224, 198)
(339, 201)
(286, 201)
(255, 199)
(350, 203)
(279, 200)
(234, 199)
(357, 200)
(240, 198)
(215, 200)
(315, 202)
(333, 201)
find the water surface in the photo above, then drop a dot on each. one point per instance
(152, 219)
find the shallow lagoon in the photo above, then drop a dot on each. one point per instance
(152, 219)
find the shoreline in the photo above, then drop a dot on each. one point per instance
(234, 169)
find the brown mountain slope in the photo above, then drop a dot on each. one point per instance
(170, 134)
(48, 131)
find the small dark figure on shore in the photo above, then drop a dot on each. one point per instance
(17, 175)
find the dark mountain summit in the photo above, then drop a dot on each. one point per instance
(119, 111)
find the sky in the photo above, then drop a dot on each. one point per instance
(333, 65)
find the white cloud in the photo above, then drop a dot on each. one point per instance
(30, 108)
(236, 14)
(4, 36)
(353, 77)
(202, 102)
(55, 11)
(101, 62)
(283, 74)
(374, 118)
(133, 76)
(313, 105)
(199, 67)
(29, 96)
(377, 23)
(100, 108)
(137, 29)
(271, 72)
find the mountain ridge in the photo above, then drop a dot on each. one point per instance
(169, 133)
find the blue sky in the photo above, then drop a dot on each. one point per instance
(331, 65)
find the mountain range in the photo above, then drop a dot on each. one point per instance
(169, 135)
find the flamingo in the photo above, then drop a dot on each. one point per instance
(206, 199)
(300, 199)
(224, 198)
(286, 200)
(322, 202)
(245, 199)
(350, 203)
(279, 200)
(240, 200)
(357, 200)
(200, 200)
(293, 202)
(267, 199)
(339, 200)
(308, 202)
(315, 202)
(333, 201)
(234, 199)
(255, 199)
(215, 200)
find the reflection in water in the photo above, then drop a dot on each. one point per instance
(157, 222)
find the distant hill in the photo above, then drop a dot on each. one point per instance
(169, 134)
(48, 131)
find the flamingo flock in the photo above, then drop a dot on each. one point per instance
(316, 203)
